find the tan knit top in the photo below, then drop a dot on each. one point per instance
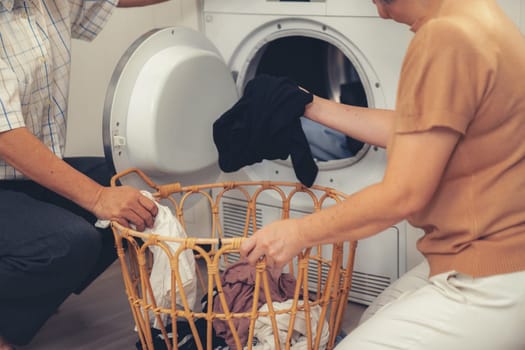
(465, 70)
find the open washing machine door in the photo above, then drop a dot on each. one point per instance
(165, 93)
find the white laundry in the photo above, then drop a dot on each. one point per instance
(166, 224)
(264, 333)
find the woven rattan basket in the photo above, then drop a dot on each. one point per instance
(322, 274)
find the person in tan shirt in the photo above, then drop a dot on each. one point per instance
(455, 168)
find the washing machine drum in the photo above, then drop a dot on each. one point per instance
(166, 92)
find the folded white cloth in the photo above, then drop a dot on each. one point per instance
(166, 224)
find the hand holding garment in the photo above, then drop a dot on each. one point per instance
(166, 224)
(265, 124)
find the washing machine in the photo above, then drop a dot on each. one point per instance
(339, 50)
(173, 83)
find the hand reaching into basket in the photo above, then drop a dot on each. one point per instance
(278, 242)
(127, 206)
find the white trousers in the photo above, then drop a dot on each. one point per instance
(449, 311)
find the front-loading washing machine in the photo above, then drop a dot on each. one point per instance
(337, 49)
(173, 83)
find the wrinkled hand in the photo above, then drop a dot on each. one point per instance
(127, 206)
(279, 242)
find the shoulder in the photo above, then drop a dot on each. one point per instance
(451, 31)
(453, 38)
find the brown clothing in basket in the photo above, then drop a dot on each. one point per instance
(238, 282)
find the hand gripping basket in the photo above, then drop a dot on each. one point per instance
(322, 274)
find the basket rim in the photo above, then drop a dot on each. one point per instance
(176, 187)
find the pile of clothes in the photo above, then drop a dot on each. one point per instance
(238, 285)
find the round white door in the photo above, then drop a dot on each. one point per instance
(166, 92)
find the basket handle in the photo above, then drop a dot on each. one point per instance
(138, 172)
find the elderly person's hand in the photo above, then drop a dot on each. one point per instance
(127, 206)
(279, 242)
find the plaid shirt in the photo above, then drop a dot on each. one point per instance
(35, 58)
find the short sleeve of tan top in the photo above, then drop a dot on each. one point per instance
(444, 78)
(461, 74)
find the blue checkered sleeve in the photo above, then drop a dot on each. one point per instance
(89, 17)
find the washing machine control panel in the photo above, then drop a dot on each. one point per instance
(342, 8)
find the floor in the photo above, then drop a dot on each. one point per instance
(100, 319)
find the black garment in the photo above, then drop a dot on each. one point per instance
(49, 248)
(265, 124)
(185, 338)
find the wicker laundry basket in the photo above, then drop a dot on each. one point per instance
(322, 274)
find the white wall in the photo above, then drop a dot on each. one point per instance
(93, 64)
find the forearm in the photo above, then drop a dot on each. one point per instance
(414, 171)
(361, 215)
(26, 153)
(373, 126)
